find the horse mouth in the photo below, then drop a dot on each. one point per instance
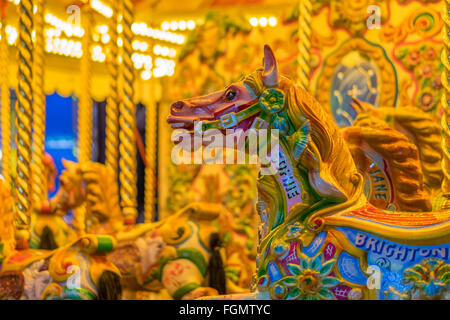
(182, 122)
(187, 123)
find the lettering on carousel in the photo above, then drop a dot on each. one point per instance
(397, 251)
(289, 182)
(380, 189)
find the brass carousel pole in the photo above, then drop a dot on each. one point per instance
(39, 190)
(127, 122)
(24, 110)
(85, 102)
(113, 101)
(304, 42)
(150, 147)
(84, 111)
(5, 99)
(445, 101)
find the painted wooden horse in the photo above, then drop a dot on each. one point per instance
(181, 270)
(320, 238)
(79, 270)
(47, 225)
(171, 257)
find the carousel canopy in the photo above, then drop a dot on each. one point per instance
(160, 30)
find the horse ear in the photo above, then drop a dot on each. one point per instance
(270, 74)
(67, 163)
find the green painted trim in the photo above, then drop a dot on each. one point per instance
(105, 244)
(195, 256)
(185, 289)
(77, 294)
(240, 116)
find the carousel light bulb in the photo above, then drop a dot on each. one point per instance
(105, 38)
(263, 21)
(102, 28)
(158, 72)
(172, 53)
(190, 24)
(254, 21)
(165, 51)
(12, 34)
(165, 25)
(101, 8)
(174, 25)
(157, 49)
(146, 75)
(272, 21)
(119, 28)
(35, 9)
(182, 25)
(97, 49)
(135, 28)
(119, 42)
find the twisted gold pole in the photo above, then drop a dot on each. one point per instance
(5, 103)
(85, 103)
(304, 42)
(150, 147)
(112, 105)
(445, 101)
(39, 181)
(24, 113)
(127, 121)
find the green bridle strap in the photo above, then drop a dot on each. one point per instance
(231, 119)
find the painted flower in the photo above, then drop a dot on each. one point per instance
(272, 100)
(430, 278)
(426, 70)
(437, 82)
(414, 57)
(312, 279)
(426, 101)
(430, 53)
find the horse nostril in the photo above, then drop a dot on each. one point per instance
(177, 106)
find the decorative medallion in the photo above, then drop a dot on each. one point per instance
(358, 69)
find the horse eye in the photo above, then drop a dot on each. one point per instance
(230, 95)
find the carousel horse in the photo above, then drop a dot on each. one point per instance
(175, 257)
(420, 128)
(321, 238)
(78, 270)
(47, 226)
(192, 236)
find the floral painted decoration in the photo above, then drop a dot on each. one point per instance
(309, 281)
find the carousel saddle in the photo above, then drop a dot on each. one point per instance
(405, 227)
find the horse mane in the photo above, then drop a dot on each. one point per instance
(402, 156)
(102, 199)
(427, 136)
(333, 173)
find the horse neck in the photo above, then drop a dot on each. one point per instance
(324, 178)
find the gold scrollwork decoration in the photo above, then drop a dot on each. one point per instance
(425, 22)
(376, 53)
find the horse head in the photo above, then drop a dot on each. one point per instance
(313, 155)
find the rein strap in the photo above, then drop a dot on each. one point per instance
(231, 119)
